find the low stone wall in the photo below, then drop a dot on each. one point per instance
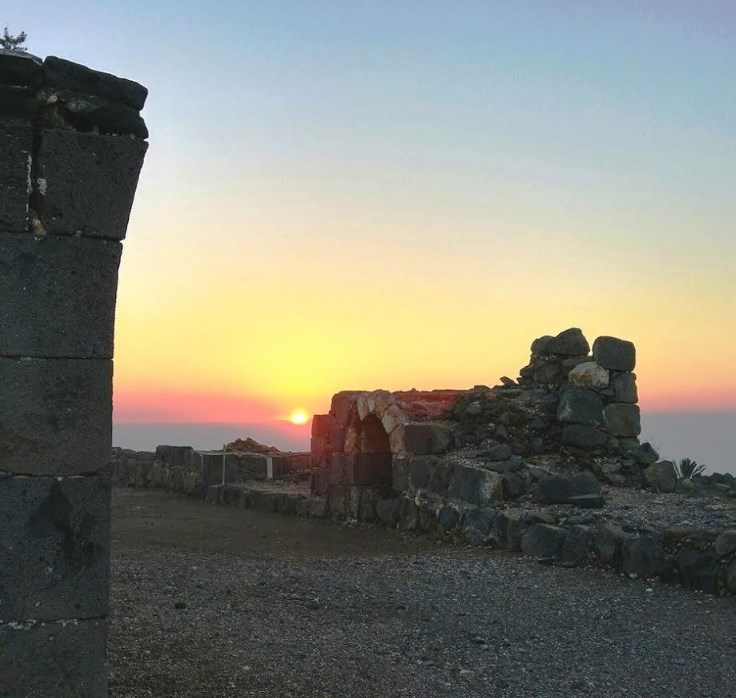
(183, 469)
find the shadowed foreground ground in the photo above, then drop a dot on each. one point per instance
(210, 601)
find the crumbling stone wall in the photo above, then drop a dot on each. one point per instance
(570, 409)
(71, 148)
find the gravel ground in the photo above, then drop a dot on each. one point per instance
(212, 601)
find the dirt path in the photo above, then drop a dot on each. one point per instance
(215, 602)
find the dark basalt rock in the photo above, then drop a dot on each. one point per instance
(581, 407)
(66, 75)
(570, 342)
(561, 489)
(615, 354)
(543, 542)
(20, 68)
(643, 556)
(698, 570)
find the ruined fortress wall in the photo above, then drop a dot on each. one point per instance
(71, 148)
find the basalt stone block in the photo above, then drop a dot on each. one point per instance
(86, 182)
(543, 542)
(409, 515)
(615, 354)
(476, 485)
(173, 455)
(321, 424)
(698, 569)
(561, 489)
(478, 525)
(583, 436)
(319, 507)
(66, 75)
(661, 476)
(343, 403)
(421, 471)
(337, 469)
(427, 439)
(20, 68)
(336, 438)
(16, 148)
(18, 105)
(606, 543)
(54, 551)
(57, 296)
(570, 342)
(726, 542)
(440, 478)
(64, 660)
(643, 557)
(400, 473)
(624, 388)
(88, 114)
(581, 407)
(448, 517)
(623, 419)
(368, 469)
(55, 415)
(574, 550)
(388, 510)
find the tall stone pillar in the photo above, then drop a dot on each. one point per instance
(72, 144)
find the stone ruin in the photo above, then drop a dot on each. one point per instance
(71, 148)
(569, 411)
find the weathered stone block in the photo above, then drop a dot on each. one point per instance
(342, 405)
(67, 75)
(368, 469)
(726, 542)
(64, 660)
(623, 419)
(589, 375)
(86, 182)
(607, 541)
(478, 525)
(421, 471)
(624, 388)
(337, 469)
(543, 542)
(338, 498)
(448, 517)
(319, 506)
(581, 407)
(570, 342)
(643, 556)
(574, 550)
(476, 485)
(55, 415)
(440, 478)
(583, 436)
(57, 296)
(662, 476)
(400, 473)
(426, 439)
(20, 68)
(408, 515)
(388, 510)
(16, 146)
(698, 569)
(615, 354)
(54, 550)
(321, 424)
(561, 489)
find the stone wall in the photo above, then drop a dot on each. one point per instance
(183, 469)
(71, 148)
(568, 410)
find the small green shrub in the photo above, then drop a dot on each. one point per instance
(687, 468)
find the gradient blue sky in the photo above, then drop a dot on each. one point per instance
(378, 173)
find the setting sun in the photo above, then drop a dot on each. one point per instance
(299, 417)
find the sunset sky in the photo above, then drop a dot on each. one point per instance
(356, 194)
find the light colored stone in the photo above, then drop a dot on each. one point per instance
(589, 375)
(382, 400)
(393, 417)
(396, 441)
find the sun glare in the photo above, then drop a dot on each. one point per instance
(299, 417)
